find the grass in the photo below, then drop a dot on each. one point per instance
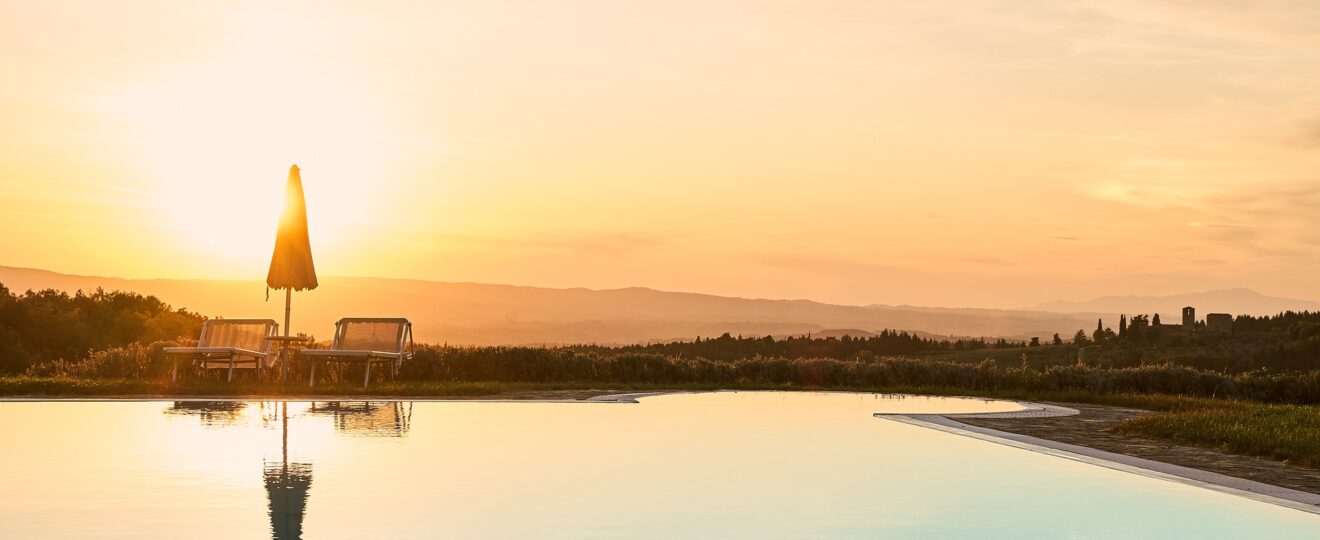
(1289, 433)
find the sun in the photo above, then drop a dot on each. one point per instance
(217, 141)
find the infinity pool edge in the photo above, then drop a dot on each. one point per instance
(1250, 489)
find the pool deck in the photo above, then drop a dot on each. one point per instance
(1251, 489)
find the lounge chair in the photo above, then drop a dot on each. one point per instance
(365, 341)
(228, 344)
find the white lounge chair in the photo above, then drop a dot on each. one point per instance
(367, 341)
(228, 344)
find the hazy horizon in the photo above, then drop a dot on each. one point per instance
(501, 314)
(1038, 306)
(852, 154)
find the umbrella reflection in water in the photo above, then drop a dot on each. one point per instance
(287, 486)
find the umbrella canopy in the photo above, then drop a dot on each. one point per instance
(291, 265)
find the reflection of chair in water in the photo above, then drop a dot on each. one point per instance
(379, 419)
(211, 413)
(228, 344)
(367, 342)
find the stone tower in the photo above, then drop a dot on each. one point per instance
(1189, 317)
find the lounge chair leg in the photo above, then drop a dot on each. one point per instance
(366, 379)
(311, 381)
(231, 370)
(174, 372)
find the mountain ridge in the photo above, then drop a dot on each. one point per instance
(499, 314)
(1235, 301)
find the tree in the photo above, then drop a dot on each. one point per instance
(1122, 325)
(1058, 340)
(41, 326)
(1035, 342)
(1137, 327)
(1080, 338)
(1155, 321)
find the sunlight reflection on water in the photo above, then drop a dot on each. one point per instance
(712, 465)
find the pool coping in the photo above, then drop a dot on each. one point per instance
(1250, 489)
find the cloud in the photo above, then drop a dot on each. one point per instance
(123, 189)
(60, 218)
(826, 265)
(610, 244)
(1310, 133)
(1149, 195)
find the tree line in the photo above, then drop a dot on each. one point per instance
(884, 343)
(40, 326)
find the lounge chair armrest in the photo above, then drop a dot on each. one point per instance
(212, 350)
(333, 353)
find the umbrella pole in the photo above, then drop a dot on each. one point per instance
(284, 421)
(284, 362)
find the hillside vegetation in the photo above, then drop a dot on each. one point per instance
(48, 325)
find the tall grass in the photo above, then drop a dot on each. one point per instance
(566, 365)
(134, 361)
(1285, 432)
(518, 364)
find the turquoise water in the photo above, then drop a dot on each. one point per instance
(716, 465)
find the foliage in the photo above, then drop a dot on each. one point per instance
(1285, 432)
(570, 365)
(522, 364)
(884, 343)
(48, 325)
(133, 361)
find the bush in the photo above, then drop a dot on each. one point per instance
(569, 365)
(134, 361)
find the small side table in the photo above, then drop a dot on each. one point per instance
(284, 342)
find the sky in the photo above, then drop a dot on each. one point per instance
(977, 153)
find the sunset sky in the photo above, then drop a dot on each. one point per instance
(980, 153)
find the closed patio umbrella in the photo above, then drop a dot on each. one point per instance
(291, 265)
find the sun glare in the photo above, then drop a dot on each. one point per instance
(217, 141)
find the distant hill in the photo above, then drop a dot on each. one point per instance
(1233, 301)
(484, 314)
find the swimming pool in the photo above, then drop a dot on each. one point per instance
(709, 465)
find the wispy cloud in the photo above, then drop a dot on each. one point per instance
(122, 189)
(612, 244)
(85, 219)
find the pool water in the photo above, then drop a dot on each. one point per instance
(709, 465)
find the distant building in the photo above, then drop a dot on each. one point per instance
(1215, 323)
(1219, 323)
(1174, 329)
